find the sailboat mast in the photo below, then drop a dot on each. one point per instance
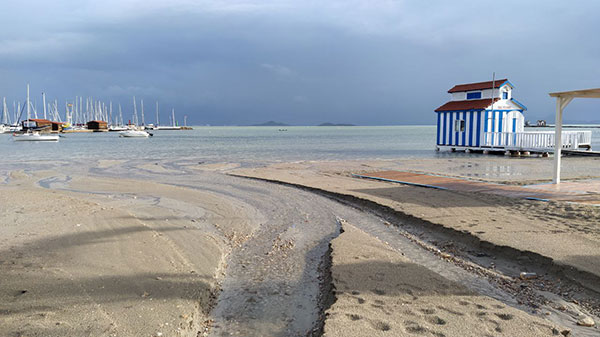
(4, 119)
(120, 114)
(173, 115)
(142, 103)
(134, 112)
(157, 122)
(28, 111)
(44, 103)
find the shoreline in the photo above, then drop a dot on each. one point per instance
(285, 228)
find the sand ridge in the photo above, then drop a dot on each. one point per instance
(381, 293)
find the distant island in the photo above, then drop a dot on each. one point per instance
(335, 124)
(271, 123)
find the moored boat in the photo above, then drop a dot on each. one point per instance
(135, 134)
(35, 137)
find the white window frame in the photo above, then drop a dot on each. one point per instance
(459, 125)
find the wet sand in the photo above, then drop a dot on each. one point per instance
(503, 236)
(128, 248)
(567, 233)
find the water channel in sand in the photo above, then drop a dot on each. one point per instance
(272, 276)
(268, 288)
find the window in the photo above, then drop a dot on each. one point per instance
(505, 95)
(474, 95)
(459, 125)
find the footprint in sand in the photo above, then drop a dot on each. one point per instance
(381, 325)
(414, 328)
(435, 320)
(378, 292)
(505, 317)
(353, 317)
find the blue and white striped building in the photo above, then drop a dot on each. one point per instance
(479, 116)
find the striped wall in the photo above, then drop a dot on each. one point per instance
(476, 124)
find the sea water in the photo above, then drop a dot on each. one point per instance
(241, 144)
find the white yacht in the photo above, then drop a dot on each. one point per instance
(35, 137)
(135, 133)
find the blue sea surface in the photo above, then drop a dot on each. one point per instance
(242, 144)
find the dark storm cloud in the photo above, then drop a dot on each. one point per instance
(242, 62)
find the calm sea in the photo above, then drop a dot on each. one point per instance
(242, 144)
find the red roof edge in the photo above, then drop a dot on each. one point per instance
(477, 86)
(472, 104)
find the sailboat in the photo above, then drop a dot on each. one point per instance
(31, 135)
(5, 124)
(173, 127)
(135, 131)
(119, 125)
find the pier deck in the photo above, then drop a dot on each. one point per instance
(581, 192)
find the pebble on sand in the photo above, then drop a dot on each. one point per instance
(586, 321)
(527, 276)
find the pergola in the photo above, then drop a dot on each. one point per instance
(562, 100)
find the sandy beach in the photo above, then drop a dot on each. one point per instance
(130, 248)
(380, 292)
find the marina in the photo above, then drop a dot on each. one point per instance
(97, 116)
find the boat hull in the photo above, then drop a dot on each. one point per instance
(35, 138)
(134, 134)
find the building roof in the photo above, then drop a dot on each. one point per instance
(100, 122)
(478, 86)
(472, 104)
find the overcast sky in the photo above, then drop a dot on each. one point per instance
(299, 62)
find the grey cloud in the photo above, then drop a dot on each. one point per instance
(242, 62)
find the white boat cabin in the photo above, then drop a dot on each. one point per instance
(485, 116)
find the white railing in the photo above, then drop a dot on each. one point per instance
(571, 140)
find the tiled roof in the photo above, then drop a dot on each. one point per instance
(477, 86)
(471, 104)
